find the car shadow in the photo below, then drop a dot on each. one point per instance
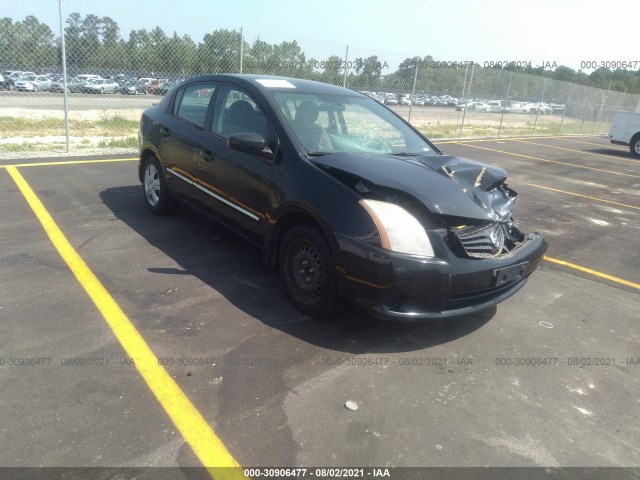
(611, 152)
(233, 267)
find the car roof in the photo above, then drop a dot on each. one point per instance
(271, 82)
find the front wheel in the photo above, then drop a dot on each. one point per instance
(307, 271)
(156, 194)
(634, 146)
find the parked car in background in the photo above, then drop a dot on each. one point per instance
(155, 84)
(557, 109)
(390, 99)
(542, 108)
(142, 85)
(482, 107)
(164, 88)
(11, 76)
(17, 74)
(406, 233)
(5, 83)
(100, 85)
(57, 85)
(379, 97)
(495, 106)
(546, 109)
(32, 83)
(419, 101)
(405, 100)
(123, 82)
(442, 101)
(78, 82)
(8, 73)
(470, 106)
(128, 87)
(519, 107)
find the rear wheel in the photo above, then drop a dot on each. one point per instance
(634, 146)
(156, 194)
(307, 271)
(35, 88)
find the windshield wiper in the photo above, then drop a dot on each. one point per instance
(318, 154)
(406, 154)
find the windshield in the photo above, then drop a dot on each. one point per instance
(329, 123)
(29, 78)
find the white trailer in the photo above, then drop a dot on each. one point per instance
(625, 130)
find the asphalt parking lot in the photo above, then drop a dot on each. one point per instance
(548, 378)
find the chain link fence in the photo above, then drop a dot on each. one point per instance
(111, 80)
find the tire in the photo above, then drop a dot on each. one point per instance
(484, 110)
(35, 88)
(155, 190)
(307, 271)
(634, 146)
(102, 91)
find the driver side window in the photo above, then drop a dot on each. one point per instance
(238, 112)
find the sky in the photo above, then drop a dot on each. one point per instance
(567, 32)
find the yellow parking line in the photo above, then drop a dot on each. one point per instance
(583, 196)
(193, 427)
(580, 151)
(505, 139)
(552, 161)
(594, 272)
(70, 162)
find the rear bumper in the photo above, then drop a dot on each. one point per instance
(402, 287)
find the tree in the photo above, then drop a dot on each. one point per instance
(219, 52)
(333, 71)
(368, 73)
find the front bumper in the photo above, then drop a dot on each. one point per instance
(396, 286)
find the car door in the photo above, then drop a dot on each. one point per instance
(180, 135)
(236, 183)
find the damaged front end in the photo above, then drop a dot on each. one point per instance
(467, 199)
(478, 256)
(487, 188)
(486, 241)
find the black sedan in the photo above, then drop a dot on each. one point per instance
(345, 199)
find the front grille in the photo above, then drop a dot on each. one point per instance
(481, 242)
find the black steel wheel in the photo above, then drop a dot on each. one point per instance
(307, 271)
(156, 194)
(634, 146)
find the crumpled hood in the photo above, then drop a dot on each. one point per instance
(444, 184)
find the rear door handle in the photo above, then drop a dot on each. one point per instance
(165, 132)
(206, 155)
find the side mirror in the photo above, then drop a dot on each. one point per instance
(246, 142)
(250, 143)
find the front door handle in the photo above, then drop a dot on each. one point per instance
(206, 155)
(165, 132)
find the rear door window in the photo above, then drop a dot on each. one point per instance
(191, 103)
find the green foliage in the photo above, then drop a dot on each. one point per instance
(126, 142)
(95, 44)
